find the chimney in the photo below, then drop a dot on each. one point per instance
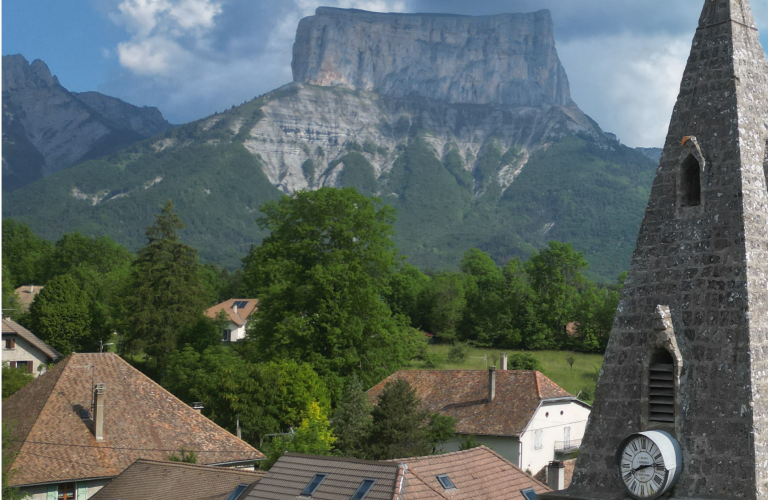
(98, 411)
(556, 475)
(31, 288)
(491, 384)
(234, 308)
(504, 361)
(198, 406)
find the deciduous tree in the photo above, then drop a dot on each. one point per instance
(61, 315)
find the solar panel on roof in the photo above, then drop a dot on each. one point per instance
(240, 304)
(363, 489)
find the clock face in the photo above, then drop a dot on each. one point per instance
(642, 467)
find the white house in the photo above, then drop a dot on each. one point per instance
(22, 348)
(238, 312)
(521, 415)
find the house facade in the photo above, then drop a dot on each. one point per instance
(91, 416)
(23, 349)
(238, 313)
(522, 415)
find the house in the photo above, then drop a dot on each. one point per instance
(91, 416)
(522, 415)
(238, 312)
(153, 480)
(26, 295)
(476, 474)
(22, 348)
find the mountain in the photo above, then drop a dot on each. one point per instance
(464, 124)
(46, 128)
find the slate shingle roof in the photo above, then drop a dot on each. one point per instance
(478, 474)
(141, 420)
(10, 327)
(293, 472)
(241, 316)
(153, 480)
(463, 394)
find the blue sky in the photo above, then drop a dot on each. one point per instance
(190, 58)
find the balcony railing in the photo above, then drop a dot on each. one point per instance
(567, 446)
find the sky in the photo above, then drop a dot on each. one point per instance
(191, 58)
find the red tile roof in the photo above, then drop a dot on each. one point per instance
(478, 474)
(141, 420)
(241, 316)
(463, 394)
(27, 294)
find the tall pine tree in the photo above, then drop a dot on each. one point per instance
(165, 293)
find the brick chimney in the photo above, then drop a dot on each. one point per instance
(98, 411)
(556, 475)
(504, 361)
(491, 384)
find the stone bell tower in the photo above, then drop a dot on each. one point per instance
(688, 352)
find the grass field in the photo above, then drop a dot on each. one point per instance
(582, 377)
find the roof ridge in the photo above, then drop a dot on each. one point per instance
(166, 391)
(338, 459)
(197, 466)
(405, 460)
(538, 387)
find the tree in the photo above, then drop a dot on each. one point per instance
(205, 332)
(10, 298)
(352, 419)
(102, 254)
(406, 289)
(14, 379)
(184, 456)
(400, 428)
(313, 437)
(165, 295)
(60, 315)
(320, 277)
(25, 254)
(523, 361)
(444, 300)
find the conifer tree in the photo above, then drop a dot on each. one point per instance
(61, 316)
(165, 293)
(352, 419)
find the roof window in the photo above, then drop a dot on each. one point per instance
(313, 485)
(363, 489)
(240, 304)
(529, 494)
(446, 481)
(238, 491)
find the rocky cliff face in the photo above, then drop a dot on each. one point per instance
(505, 59)
(46, 128)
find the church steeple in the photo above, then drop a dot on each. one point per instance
(688, 353)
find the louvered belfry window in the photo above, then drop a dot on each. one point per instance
(662, 385)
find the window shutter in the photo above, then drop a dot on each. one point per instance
(82, 491)
(29, 366)
(53, 490)
(13, 364)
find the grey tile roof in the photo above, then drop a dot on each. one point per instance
(11, 327)
(154, 480)
(293, 472)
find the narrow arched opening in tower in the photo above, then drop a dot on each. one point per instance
(662, 387)
(690, 182)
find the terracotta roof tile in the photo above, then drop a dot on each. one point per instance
(26, 295)
(478, 474)
(11, 327)
(141, 420)
(463, 394)
(241, 316)
(153, 480)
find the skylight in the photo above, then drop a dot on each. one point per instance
(313, 485)
(238, 491)
(446, 481)
(529, 494)
(240, 304)
(363, 489)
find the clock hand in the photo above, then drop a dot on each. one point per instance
(643, 467)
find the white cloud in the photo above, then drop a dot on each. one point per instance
(628, 83)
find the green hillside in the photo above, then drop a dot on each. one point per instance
(577, 189)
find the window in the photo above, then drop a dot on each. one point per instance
(363, 489)
(10, 344)
(529, 494)
(538, 437)
(446, 481)
(313, 485)
(227, 336)
(238, 491)
(661, 381)
(25, 365)
(240, 304)
(690, 182)
(567, 437)
(67, 491)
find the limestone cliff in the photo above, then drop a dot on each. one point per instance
(503, 59)
(46, 128)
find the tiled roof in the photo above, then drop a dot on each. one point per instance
(241, 316)
(463, 394)
(11, 327)
(478, 474)
(141, 420)
(153, 480)
(27, 294)
(293, 472)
